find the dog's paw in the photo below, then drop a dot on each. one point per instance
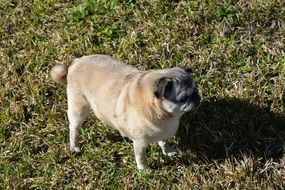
(143, 167)
(75, 149)
(146, 170)
(170, 151)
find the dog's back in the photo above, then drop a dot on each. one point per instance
(102, 63)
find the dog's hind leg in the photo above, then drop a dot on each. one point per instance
(78, 110)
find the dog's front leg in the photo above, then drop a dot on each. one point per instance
(167, 150)
(140, 154)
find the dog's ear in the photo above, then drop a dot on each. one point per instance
(163, 87)
(188, 70)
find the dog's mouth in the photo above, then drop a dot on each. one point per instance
(193, 103)
(190, 106)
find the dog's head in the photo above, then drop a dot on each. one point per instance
(177, 91)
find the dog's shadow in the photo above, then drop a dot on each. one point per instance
(223, 128)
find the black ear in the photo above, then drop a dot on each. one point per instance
(188, 70)
(163, 87)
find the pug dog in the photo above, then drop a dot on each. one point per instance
(144, 106)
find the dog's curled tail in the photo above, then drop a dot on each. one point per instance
(58, 73)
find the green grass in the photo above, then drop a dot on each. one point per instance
(235, 140)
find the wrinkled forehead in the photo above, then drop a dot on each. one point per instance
(181, 76)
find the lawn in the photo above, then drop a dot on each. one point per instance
(235, 140)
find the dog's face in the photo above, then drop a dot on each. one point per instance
(177, 91)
